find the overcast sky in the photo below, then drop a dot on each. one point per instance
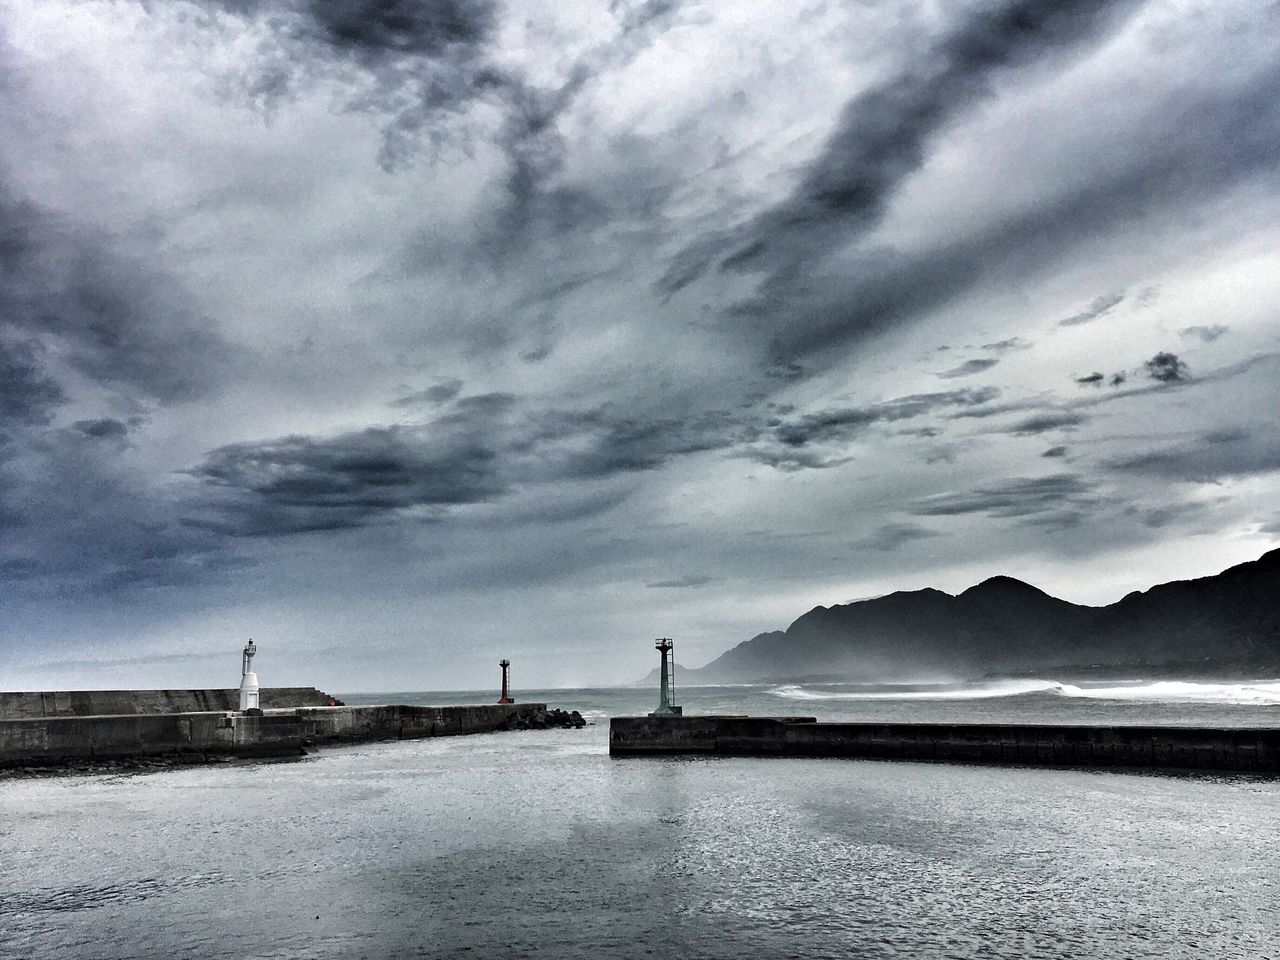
(405, 336)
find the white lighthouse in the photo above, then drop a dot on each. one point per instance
(248, 680)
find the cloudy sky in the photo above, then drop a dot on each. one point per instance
(402, 336)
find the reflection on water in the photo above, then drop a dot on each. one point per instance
(538, 844)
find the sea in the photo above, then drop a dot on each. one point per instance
(538, 844)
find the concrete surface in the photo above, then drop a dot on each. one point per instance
(87, 703)
(53, 741)
(1182, 748)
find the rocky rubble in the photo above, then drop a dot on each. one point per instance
(547, 719)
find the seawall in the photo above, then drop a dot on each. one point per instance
(89, 703)
(1180, 748)
(397, 721)
(63, 741)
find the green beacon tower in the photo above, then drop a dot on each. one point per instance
(667, 693)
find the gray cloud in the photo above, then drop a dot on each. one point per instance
(1217, 456)
(881, 137)
(70, 289)
(379, 29)
(1206, 334)
(681, 583)
(1169, 514)
(482, 449)
(969, 368)
(1044, 422)
(425, 63)
(1166, 368)
(1010, 343)
(1021, 497)
(104, 528)
(1100, 307)
(108, 428)
(438, 393)
(893, 536)
(301, 484)
(27, 395)
(842, 424)
(491, 395)
(1229, 137)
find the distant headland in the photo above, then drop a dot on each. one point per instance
(1223, 625)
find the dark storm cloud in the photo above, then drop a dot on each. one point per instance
(101, 528)
(1044, 422)
(430, 62)
(893, 536)
(299, 484)
(882, 135)
(969, 368)
(847, 422)
(1166, 368)
(108, 428)
(81, 308)
(382, 28)
(1206, 334)
(1055, 452)
(1053, 495)
(1100, 307)
(1091, 380)
(1217, 456)
(27, 395)
(482, 449)
(70, 289)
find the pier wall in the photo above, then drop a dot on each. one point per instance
(407, 722)
(86, 703)
(53, 741)
(1165, 747)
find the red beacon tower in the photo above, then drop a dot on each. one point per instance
(505, 664)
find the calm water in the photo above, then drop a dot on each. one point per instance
(537, 844)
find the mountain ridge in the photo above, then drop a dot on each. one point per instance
(1004, 626)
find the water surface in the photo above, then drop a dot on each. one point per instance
(538, 844)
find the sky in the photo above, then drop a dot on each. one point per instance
(406, 336)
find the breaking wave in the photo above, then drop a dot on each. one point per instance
(1165, 691)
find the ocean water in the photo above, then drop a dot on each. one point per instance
(538, 844)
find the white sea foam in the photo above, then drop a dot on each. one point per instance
(1167, 691)
(978, 691)
(1181, 691)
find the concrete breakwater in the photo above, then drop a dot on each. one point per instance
(197, 736)
(92, 703)
(1177, 748)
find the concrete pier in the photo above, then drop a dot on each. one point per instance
(93, 703)
(66, 740)
(1168, 748)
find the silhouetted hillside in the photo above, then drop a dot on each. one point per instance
(1228, 623)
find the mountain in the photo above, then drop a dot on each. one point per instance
(1228, 624)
